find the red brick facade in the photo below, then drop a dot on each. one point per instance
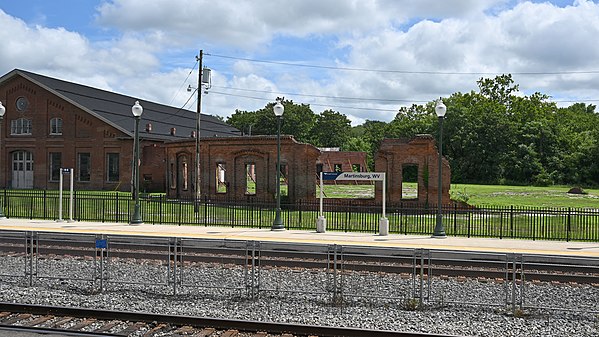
(250, 159)
(33, 149)
(81, 134)
(421, 151)
(300, 163)
(342, 161)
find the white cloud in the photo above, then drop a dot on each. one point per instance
(444, 40)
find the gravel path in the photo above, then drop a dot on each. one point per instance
(392, 311)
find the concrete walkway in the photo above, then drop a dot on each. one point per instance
(581, 249)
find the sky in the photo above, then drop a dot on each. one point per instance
(362, 58)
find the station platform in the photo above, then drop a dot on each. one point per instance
(580, 249)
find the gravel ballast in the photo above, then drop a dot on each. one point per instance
(463, 308)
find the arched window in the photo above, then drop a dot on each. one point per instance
(21, 126)
(56, 126)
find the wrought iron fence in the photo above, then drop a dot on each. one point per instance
(565, 224)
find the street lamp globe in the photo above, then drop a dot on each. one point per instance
(440, 109)
(279, 109)
(137, 109)
(2, 110)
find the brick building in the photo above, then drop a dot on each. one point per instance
(334, 160)
(242, 167)
(51, 124)
(419, 155)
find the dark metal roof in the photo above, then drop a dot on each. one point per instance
(115, 109)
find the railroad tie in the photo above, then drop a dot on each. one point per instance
(5, 313)
(204, 333)
(260, 334)
(230, 333)
(158, 328)
(82, 324)
(107, 326)
(16, 318)
(184, 330)
(39, 320)
(132, 328)
(61, 322)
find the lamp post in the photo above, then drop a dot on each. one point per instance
(278, 223)
(439, 231)
(2, 112)
(137, 110)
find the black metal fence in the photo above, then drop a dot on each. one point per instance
(347, 215)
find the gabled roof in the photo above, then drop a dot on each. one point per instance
(115, 109)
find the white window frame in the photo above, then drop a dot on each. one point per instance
(20, 126)
(56, 126)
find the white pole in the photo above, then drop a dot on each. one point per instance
(384, 198)
(321, 222)
(71, 199)
(60, 197)
(321, 194)
(384, 222)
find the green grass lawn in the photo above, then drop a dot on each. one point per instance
(487, 195)
(525, 196)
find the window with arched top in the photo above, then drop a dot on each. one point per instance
(21, 126)
(56, 126)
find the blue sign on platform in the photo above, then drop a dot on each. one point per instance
(101, 244)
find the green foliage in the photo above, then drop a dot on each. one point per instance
(413, 304)
(495, 135)
(297, 120)
(526, 196)
(331, 129)
(459, 195)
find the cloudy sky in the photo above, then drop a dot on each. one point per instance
(363, 58)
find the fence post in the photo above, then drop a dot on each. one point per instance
(205, 210)
(568, 226)
(300, 214)
(501, 222)
(160, 202)
(5, 204)
(512, 221)
(455, 219)
(118, 212)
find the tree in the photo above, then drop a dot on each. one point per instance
(409, 122)
(331, 129)
(297, 120)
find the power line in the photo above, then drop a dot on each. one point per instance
(265, 99)
(303, 65)
(322, 96)
(184, 82)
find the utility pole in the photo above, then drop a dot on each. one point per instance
(199, 112)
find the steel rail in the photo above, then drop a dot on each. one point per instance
(50, 331)
(217, 323)
(578, 270)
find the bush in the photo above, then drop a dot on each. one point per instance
(542, 179)
(459, 195)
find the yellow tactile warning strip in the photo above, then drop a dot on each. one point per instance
(581, 249)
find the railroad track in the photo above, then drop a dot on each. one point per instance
(91, 322)
(447, 263)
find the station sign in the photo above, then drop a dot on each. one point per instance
(362, 176)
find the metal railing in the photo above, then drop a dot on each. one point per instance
(335, 274)
(565, 224)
